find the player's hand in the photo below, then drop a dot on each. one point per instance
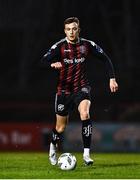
(56, 65)
(113, 85)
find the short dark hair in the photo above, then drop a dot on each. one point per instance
(71, 20)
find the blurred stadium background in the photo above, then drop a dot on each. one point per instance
(27, 90)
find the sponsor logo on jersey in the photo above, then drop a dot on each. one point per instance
(72, 61)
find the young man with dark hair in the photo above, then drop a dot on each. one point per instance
(69, 56)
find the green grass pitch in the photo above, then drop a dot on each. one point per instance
(36, 166)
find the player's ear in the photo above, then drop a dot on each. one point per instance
(79, 30)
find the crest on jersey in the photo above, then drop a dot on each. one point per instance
(82, 49)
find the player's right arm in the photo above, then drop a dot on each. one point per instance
(51, 58)
(56, 65)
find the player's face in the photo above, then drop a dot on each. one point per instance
(72, 31)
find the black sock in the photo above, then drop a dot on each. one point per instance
(86, 132)
(55, 136)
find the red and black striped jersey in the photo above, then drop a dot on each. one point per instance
(73, 57)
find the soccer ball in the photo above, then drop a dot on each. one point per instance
(67, 161)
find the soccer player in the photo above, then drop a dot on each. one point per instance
(69, 57)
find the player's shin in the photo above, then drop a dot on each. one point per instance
(55, 137)
(87, 132)
(53, 147)
(86, 136)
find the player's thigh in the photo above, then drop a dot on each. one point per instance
(63, 105)
(61, 122)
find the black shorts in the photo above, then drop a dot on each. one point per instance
(65, 103)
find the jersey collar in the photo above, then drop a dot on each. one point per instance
(78, 40)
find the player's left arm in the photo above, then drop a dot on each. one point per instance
(108, 64)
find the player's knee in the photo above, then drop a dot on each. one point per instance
(84, 115)
(60, 129)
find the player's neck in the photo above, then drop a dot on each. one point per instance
(73, 42)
